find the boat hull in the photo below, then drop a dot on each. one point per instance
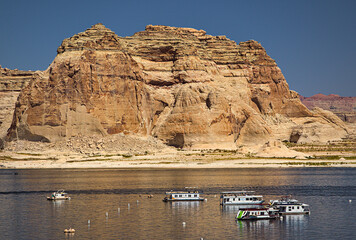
(54, 199)
(242, 203)
(294, 213)
(252, 218)
(182, 200)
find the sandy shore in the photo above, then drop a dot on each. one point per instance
(186, 159)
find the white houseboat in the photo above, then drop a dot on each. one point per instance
(287, 206)
(188, 195)
(257, 214)
(59, 195)
(240, 198)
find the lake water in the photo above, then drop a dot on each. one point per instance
(26, 214)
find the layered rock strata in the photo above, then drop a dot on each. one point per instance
(11, 83)
(180, 85)
(343, 107)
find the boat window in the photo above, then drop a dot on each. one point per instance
(180, 195)
(262, 213)
(302, 206)
(175, 195)
(233, 199)
(239, 199)
(195, 195)
(292, 207)
(297, 207)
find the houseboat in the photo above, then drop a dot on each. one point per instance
(59, 195)
(257, 214)
(240, 198)
(187, 195)
(288, 206)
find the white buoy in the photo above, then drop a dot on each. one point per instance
(107, 214)
(128, 205)
(350, 201)
(183, 224)
(137, 201)
(118, 210)
(214, 195)
(281, 217)
(88, 222)
(205, 199)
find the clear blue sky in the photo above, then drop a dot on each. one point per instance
(312, 41)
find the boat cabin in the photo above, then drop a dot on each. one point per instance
(240, 198)
(257, 213)
(190, 195)
(293, 209)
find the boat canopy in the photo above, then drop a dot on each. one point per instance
(237, 192)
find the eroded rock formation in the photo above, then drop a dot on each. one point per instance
(343, 107)
(11, 83)
(180, 85)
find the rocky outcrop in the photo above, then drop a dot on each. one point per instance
(180, 85)
(11, 83)
(14, 80)
(343, 107)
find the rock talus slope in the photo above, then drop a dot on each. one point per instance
(180, 85)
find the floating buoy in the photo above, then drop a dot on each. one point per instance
(183, 224)
(88, 222)
(137, 201)
(128, 205)
(281, 217)
(350, 201)
(118, 209)
(205, 199)
(107, 214)
(70, 230)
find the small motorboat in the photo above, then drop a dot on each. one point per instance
(69, 230)
(257, 214)
(59, 195)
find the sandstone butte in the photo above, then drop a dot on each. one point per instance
(180, 85)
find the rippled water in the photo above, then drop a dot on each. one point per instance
(26, 214)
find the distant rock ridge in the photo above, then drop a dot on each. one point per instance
(343, 107)
(180, 85)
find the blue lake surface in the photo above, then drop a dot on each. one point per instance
(26, 214)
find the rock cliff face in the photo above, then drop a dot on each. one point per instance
(180, 85)
(11, 83)
(343, 107)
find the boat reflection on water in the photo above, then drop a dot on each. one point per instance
(293, 225)
(185, 205)
(298, 222)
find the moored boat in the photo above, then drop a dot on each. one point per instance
(59, 195)
(188, 195)
(288, 206)
(257, 214)
(240, 198)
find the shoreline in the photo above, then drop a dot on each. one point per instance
(171, 163)
(187, 159)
